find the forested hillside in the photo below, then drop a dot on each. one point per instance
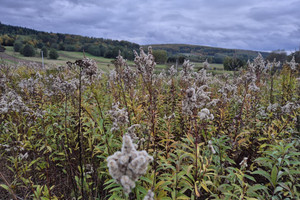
(10, 35)
(199, 53)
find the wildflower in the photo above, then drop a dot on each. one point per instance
(252, 87)
(131, 131)
(128, 165)
(204, 114)
(211, 147)
(195, 97)
(89, 169)
(119, 116)
(90, 67)
(289, 107)
(145, 63)
(292, 64)
(23, 156)
(200, 77)
(243, 163)
(205, 64)
(189, 102)
(272, 107)
(172, 71)
(262, 112)
(258, 64)
(149, 195)
(213, 102)
(187, 71)
(11, 101)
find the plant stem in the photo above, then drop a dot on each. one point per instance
(80, 133)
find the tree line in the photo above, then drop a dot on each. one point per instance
(14, 35)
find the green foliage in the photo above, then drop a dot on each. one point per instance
(197, 53)
(232, 64)
(18, 46)
(278, 55)
(28, 50)
(247, 150)
(53, 54)
(280, 167)
(95, 46)
(160, 56)
(296, 54)
(45, 52)
(2, 49)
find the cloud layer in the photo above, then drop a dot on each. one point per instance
(245, 24)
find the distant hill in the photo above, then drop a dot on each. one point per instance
(9, 35)
(198, 53)
(108, 48)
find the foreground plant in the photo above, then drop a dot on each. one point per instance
(128, 165)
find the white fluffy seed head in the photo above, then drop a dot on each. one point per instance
(128, 165)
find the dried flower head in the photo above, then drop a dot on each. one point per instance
(12, 102)
(172, 71)
(149, 195)
(128, 165)
(292, 64)
(205, 64)
(119, 116)
(211, 147)
(205, 114)
(243, 163)
(196, 97)
(145, 63)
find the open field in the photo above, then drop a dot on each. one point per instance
(103, 63)
(64, 56)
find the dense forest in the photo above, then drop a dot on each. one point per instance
(11, 35)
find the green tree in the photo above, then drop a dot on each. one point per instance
(45, 52)
(18, 46)
(160, 56)
(28, 50)
(94, 50)
(296, 55)
(279, 55)
(232, 64)
(181, 59)
(2, 49)
(53, 54)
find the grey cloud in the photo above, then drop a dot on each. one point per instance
(247, 24)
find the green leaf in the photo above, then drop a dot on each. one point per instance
(5, 187)
(274, 174)
(257, 187)
(250, 177)
(262, 173)
(277, 189)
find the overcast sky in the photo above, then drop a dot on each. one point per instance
(244, 24)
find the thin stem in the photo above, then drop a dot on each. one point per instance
(10, 190)
(80, 133)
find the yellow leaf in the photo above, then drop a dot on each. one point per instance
(196, 190)
(203, 184)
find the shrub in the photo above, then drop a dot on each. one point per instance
(160, 56)
(232, 64)
(45, 52)
(53, 54)
(18, 46)
(28, 50)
